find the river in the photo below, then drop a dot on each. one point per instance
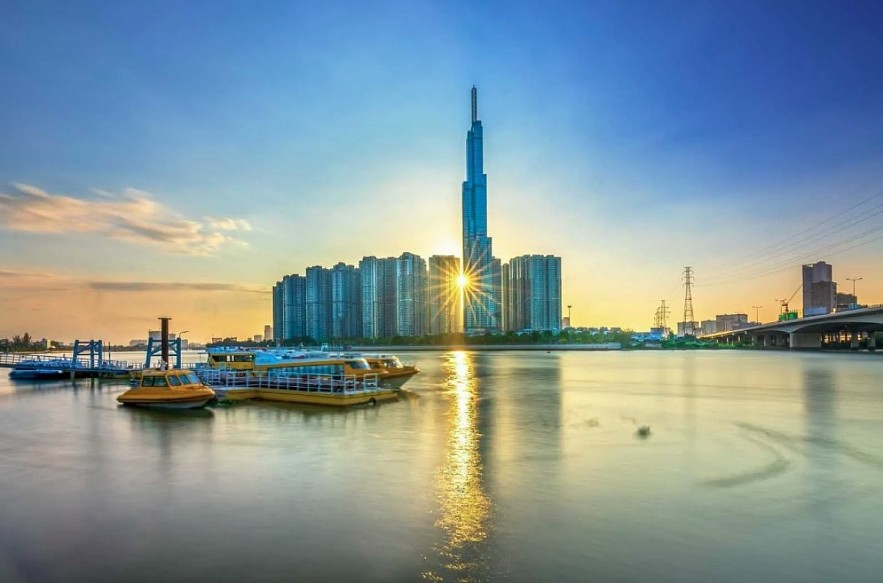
(519, 466)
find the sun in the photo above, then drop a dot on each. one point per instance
(462, 281)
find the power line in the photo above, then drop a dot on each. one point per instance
(790, 249)
(814, 227)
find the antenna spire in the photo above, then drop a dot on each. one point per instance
(474, 104)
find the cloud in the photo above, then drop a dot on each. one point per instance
(132, 215)
(146, 286)
(37, 282)
(228, 224)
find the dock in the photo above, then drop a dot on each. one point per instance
(88, 361)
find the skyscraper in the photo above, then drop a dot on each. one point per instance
(318, 304)
(346, 302)
(533, 293)
(480, 310)
(411, 313)
(444, 295)
(378, 278)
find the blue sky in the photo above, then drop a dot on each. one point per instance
(630, 138)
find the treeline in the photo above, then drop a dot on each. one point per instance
(544, 337)
(23, 343)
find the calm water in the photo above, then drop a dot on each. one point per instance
(513, 466)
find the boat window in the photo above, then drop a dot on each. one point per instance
(194, 380)
(174, 380)
(153, 381)
(185, 380)
(146, 381)
(359, 364)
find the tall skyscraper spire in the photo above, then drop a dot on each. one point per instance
(480, 308)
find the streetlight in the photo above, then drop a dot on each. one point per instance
(757, 313)
(853, 280)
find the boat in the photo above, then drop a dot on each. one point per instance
(387, 368)
(37, 374)
(393, 374)
(166, 388)
(308, 389)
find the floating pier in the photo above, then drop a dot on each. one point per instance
(88, 361)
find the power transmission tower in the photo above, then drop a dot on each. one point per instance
(688, 302)
(662, 313)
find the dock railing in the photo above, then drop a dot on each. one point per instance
(62, 362)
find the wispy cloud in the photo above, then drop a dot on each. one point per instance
(35, 281)
(133, 215)
(145, 286)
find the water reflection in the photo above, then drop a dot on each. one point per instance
(465, 507)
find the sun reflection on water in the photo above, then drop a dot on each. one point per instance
(464, 506)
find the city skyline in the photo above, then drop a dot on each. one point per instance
(179, 170)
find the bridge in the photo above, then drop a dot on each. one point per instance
(809, 332)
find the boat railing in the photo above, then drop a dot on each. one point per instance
(327, 384)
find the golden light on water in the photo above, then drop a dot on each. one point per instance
(464, 506)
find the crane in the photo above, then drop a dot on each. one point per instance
(783, 315)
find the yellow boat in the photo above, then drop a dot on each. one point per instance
(311, 389)
(389, 370)
(168, 389)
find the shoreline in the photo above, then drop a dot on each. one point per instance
(489, 347)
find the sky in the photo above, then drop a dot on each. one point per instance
(177, 159)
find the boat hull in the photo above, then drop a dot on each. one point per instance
(394, 380)
(309, 397)
(169, 405)
(37, 374)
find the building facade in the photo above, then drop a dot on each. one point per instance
(819, 289)
(444, 295)
(728, 322)
(379, 296)
(318, 303)
(346, 302)
(479, 309)
(289, 305)
(412, 315)
(533, 293)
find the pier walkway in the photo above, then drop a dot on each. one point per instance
(82, 367)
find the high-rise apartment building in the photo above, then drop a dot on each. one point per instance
(445, 316)
(533, 293)
(480, 311)
(294, 304)
(346, 302)
(278, 314)
(819, 289)
(289, 304)
(379, 293)
(411, 308)
(318, 303)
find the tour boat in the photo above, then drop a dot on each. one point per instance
(389, 371)
(166, 388)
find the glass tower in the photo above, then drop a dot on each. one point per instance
(479, 303)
